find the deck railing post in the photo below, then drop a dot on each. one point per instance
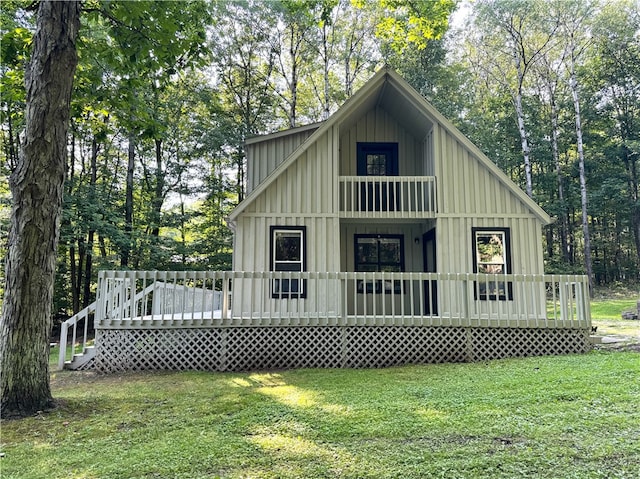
(564, 292)
(466, 308)
(582, 304)
(225, 296)
(62, 354)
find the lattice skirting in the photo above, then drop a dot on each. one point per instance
(242, 349)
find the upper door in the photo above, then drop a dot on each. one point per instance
(377, 159)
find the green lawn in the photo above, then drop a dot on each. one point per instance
(551, 417)
(611, 308)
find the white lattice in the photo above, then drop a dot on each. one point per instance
(392, 346)
(139, 349)
(251, 348)
(494, 343)
(283, 348)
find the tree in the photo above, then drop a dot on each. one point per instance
(615, 68)
(245, 63)
(406, 23)
(573, 21)
(36, 186)
(513, 36)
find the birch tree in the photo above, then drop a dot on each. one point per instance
(574, 17)
(512, 36)
(549, 73)
(615, 67)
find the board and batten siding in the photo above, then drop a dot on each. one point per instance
(467, 187)
(378, 126)
(308, 185)
(470, 195)
(303, 195)
(264, 155)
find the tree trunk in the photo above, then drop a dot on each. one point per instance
(158, 199)
(573, 83)
(526, 152)
(325, 50)
(37, 189)
(556, 160)
(88, 266)
(294, 47)
(128, 204)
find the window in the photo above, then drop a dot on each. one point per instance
(492, 255)
(288, 253)
(379, 253)
(378, 159)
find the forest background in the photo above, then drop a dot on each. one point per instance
(166, 93)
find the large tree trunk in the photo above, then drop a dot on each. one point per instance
(37, 187)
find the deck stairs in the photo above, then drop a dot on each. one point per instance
(81, 360)
(75, 351)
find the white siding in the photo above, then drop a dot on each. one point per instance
(306, 194)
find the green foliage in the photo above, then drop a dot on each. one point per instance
(406, 24)
(572, 416)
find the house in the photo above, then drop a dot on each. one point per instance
(380, 236)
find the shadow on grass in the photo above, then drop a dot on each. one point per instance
(537, 417)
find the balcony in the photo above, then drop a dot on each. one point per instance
(388, 197)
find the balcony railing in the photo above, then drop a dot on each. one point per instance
(388, 196)
(153, 299)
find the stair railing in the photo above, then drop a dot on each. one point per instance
(80, 318)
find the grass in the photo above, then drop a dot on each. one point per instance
(611, 309)
(550, 417)
(606, 314)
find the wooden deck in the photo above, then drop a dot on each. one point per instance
(234, 320)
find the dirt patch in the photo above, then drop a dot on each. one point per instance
(617, 327)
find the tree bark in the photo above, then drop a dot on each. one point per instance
(573, 83)
(37, 189)
(128, 203)
(158, 199)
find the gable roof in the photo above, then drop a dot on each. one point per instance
(409, 107)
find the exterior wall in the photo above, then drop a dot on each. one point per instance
(470, 195)
(467, 187)
(304, 195)
(413, 261)
(412, 250)
(378, 126)
(264, 156)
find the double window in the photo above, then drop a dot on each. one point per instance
(492, 256)
(375, 252)
(288, 254)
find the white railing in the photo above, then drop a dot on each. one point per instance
(215, 299)
(79, 323)
(388, 196)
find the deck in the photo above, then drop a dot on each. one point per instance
(249, 320)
